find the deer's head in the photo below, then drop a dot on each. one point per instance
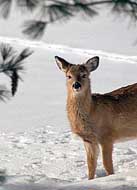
(77, 75)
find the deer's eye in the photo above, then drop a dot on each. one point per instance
(84, 76)
(69, 77)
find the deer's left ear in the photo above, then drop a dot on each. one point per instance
(92, 63)
(62, 64)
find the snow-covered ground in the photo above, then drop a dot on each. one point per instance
(47, 160)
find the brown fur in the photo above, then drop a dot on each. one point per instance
(100, 119)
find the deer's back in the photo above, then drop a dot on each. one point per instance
(116, 112)
(125, 96)
(127, 91)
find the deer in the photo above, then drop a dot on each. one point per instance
(100, 120)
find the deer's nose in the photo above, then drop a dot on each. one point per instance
(76, 85)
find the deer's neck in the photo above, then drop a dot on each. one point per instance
(79, 108)
(80, 102)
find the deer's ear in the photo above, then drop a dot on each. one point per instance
(92, 63)
(62, 64)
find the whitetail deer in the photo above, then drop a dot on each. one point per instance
(99, 119)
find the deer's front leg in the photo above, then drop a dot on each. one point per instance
(107, 149)
(92, 151)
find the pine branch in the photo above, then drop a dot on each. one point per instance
(23, 55)
(14, 82)
(86, 9)
(4, 93)
(128, 8)
(6, 51)
(30, 5)
(34, 29)
(5, 7)
(51, 11)
(12, 64)
(57, 11)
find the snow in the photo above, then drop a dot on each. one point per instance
(37, 148)
(111, 183)
(66, 49)
(55, 160)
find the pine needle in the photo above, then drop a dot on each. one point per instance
(5, 7)
(12, 64)
(34, 29)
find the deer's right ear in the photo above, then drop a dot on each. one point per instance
(62, 64)
(92, 63)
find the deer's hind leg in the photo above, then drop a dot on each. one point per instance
(92, 151)
(107, 149)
